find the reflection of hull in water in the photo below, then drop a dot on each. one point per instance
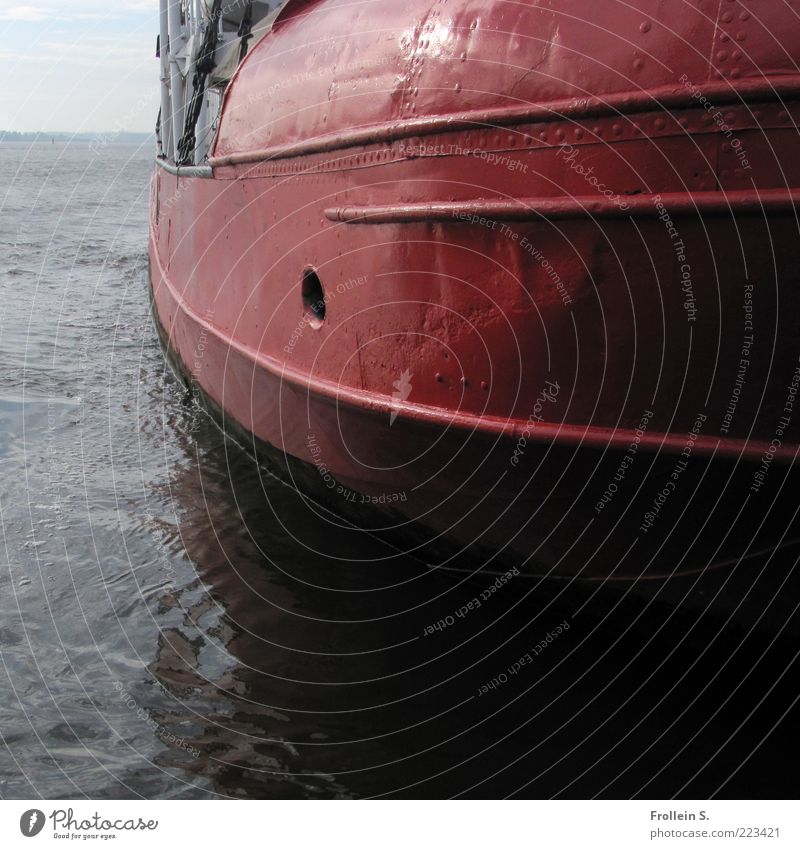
(302, 659)
(508, 361)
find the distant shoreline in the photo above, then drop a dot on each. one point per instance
(110, 137)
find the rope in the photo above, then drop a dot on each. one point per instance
(246, 29)
(204, 66)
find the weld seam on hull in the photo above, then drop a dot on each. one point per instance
(593, 437)
(524, 209)
(665, 97)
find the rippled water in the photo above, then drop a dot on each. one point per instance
(174, 622)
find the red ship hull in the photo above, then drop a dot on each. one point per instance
(496, 278)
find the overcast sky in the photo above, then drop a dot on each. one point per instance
(78, 65)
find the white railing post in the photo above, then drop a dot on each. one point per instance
(167, 147)
(176, 44)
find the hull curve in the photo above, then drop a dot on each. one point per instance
(495, 308)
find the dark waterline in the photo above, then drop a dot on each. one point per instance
(175, 623)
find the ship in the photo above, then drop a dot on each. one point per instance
(508, 284)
